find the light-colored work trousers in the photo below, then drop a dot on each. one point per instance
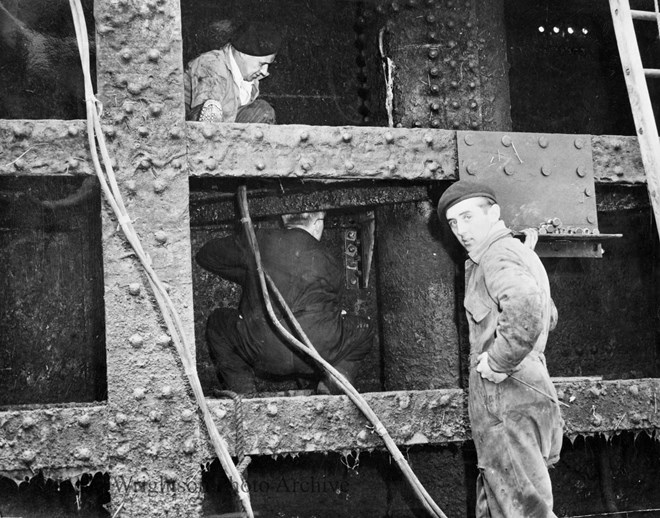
(518, 434)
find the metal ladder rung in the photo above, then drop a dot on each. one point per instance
(653, 73)
(647, 16)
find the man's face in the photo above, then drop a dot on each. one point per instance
(254, 67)
(471, 220)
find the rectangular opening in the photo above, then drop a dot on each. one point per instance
(41, 76)
(52, 326)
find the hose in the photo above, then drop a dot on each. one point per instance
(306, 346)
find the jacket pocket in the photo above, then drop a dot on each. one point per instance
(477, 309)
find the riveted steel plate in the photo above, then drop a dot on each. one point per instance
(537, 177)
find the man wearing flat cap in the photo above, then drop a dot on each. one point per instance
(223, 85)
(513, 407)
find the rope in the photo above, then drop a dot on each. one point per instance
(306, 346)
(170, 314)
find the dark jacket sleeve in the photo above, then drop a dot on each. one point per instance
(519, 299)
(226, 257)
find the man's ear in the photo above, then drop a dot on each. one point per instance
(494, 213)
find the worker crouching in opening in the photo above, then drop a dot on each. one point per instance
(223, 85)
(244, 342)
(513, 407)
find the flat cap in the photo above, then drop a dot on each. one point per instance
(257, 39)
(463, 190)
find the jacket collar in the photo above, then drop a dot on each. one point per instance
(497, 231)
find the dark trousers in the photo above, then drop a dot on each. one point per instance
(236, 360)
(255, 112)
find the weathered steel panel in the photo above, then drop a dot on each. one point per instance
(259, 150)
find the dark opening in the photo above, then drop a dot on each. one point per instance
(40, 72)
(40, 497)
(327, 71)
(52, 325)
(566, 75)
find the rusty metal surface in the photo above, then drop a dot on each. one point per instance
(92, 438)
(536, 177)
(60, 147)
(251, 150)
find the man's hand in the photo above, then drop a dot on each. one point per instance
(486, 372)
(531, 237)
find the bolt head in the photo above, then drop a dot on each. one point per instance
(543, 142)
(506, 141)
(579, 143)
(509, 170)
(545, 170)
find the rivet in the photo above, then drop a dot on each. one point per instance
(159, 185)
(271, 409)
(210, 164)
(543, 142)
(428, 139)
(28, 422)
(109, 131)
(456, 124)
(634, 390)
(509, 170)
(260, 166)
(430, 18)
(155, 416)
(435, 123)
(19, 164)
(143, 131)
(395, 7)
(450, 24)
(579, 143)
(471, 168)
(591, 219)
(73, 131)
(474, 125)
(83, 454)
(153, 55)
(433, 53)
(145, 163)
(453, 63)
(22, 131)
(435, 89)
(363, 436)
(305, 164)
(304, 136)
(134, 88)
(72, 163)
(258, 134)
(120, 418)
(434, 71)
(389, 138)
(136, 340)
(545, 170)
(581, 171)
(349, 165)
(346, 137)
(156, 109)
(125, 54)
(456, 105)
(472, 85)
(453, 84)
(131, 186)
(469, 139)
(175, 133)
(187, 415)
(473, 104)
(164, 340)
(189, 446)
(176, 163)
(208, 131)
(84, 420)
(433, 36)
(161, 236)
(451, 44)
(391, 167)
(587, 191)
(28, 456)
(506, 141)
(319, 407)
(139, 393)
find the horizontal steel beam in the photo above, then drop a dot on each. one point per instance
(90, 439)
(50, 147)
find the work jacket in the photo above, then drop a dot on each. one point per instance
(516, 424)
(209, 76)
